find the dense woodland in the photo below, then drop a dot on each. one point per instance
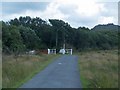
(26, 33)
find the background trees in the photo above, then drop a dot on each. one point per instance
(28, 33)
(11, 39)
(29, 38)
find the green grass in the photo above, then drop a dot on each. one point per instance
(0, 71)
(99, 69)
(16, 71)
(0, 63)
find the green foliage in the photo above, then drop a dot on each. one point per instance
(29, 38)
(28, 33)
(11, 39)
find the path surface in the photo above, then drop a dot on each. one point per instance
(62, 73)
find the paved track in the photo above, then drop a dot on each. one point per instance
(62, 73)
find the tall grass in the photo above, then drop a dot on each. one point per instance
(99, 69)
(0, 63)
(16, 71)
(0, 71)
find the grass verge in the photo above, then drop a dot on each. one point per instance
(99, 69)
(0, 64)
(16, 71)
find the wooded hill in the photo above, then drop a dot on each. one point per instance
(26, 33)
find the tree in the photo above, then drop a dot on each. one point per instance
(12, 41)
(34, 33)
(61, 28)
(29, 38)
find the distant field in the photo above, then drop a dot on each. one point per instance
(99, 69)
(18, 70)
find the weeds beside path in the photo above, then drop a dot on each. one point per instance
(16, 71)
(99, 69)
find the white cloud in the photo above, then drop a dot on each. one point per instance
(105, 20)
(83, 7)
(52, 11)
(89, 9)
(84, 12)
(77, 13)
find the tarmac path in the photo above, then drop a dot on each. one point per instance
(62, 73)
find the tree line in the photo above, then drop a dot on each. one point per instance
(26, 33)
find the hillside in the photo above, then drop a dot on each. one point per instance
(109, 26)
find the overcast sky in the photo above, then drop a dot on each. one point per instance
(77, 13)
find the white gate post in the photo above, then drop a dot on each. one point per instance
(71, 51)
(48, 51)
(55, 51)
